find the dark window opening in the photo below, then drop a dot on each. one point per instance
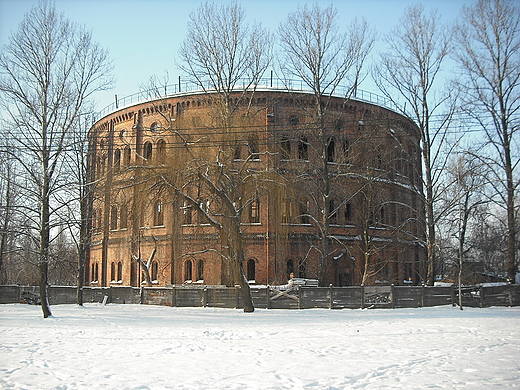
(303, 149)
(331, 145)
(158, 214)
(113, 218)
(251, 269)
(188, 271)
(290, 269)
(200, 270)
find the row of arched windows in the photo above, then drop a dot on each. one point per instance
(301, 149)
(340, 213)
(190, 216)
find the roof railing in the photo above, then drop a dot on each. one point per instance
(186, 88)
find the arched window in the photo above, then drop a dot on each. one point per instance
(188, 271)
(346, 150)
(127, 156)
(119, 271)
(333, 214)
(252, 145)
(331, 148)
(290, 269)
(200, 270)
(95, 272)
(286, 211)
(302, 273)
(251, 269)
(187, 213)
(123, 217)
(236, 151)
(117, 160)
(254, 211)
(147, 150)
(158, 214)
(348, 213)
(304, 211)
(303, 149)
(155, 270)
(285, 147)
(113, 272)
(113, 217)
(161, 150)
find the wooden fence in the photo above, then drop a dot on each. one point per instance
(282, 297)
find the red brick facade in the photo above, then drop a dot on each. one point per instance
(376, 218)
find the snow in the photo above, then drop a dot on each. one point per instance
(155, 347)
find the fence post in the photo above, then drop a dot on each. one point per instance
(237, 292)
(392, 295)
(300, 297)
(174, 297)
(481, 296)
(268, 297)
(204, 297)
(362, 287)
(453, 296)
(423, 295)
(331, 298)
(509, 290)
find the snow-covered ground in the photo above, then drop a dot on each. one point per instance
(153, 347)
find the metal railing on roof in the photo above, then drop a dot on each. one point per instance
(187, 88)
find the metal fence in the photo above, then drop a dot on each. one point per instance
(272, 297)
(271, 83)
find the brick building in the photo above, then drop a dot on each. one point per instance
(143, 159)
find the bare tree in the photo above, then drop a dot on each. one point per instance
(223, 56)
(488, 52)
(409, 72)
(314, 51)
(49, 70)
(464, 197)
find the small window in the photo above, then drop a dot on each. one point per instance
(161, 150)
(302, 271)
(303, 149)
(251, 270)
(154, 127)
(113, 218)
(187, 214)
(147, 150)
(252, 145)
(188, 271)
(123, 217)
(254, 211)
(348, 213)
(127, 156)
(155, 271)
(333, 214)
(330, 150)
(119, 271)
(117, 159)
(158, 214)
(285, 147)
(304, 212)
(346, 149)
(113, 272)
(290, 269)
(200, 270)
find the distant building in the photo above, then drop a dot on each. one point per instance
(373, 157)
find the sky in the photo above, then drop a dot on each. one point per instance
(144, 36)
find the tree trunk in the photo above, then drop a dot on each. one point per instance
(43, 260)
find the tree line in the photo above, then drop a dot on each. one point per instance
(51, 69)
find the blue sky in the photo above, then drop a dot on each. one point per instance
(144, 36)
